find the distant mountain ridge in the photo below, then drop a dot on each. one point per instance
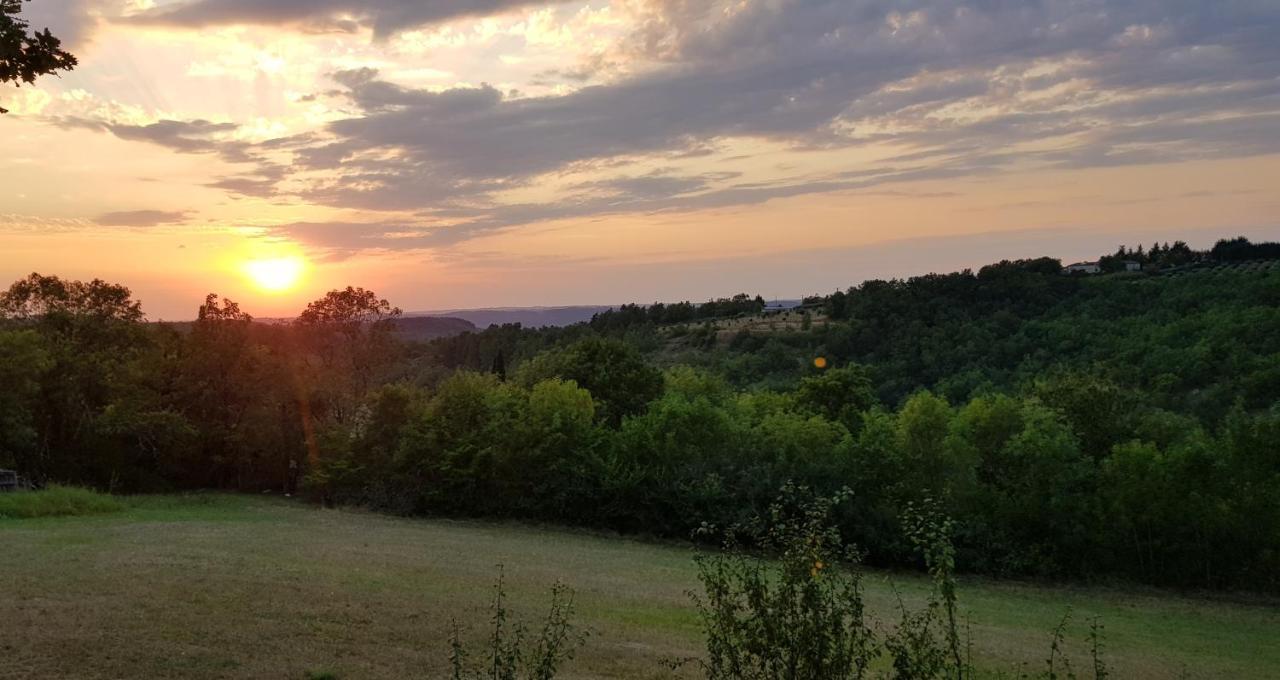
(429, 325)
(423, 328)
(530, 317)
(418, 328)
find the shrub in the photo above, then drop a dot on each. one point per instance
(511, 654)
(793, 610)
(800, 616)
(915, 647)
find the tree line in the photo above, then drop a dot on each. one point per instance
(661, 313)
(1075, 428)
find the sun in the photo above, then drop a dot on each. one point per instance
(275, 275)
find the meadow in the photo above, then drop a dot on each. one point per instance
(238, 586)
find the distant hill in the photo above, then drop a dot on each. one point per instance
(418, 328)
(530, 317)
(431, 327)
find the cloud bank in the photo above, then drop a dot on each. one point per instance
(141, 218)
(937, 88)
(383, 17)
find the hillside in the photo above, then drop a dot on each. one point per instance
(215, 586)
(408, 328)
(1198, 338)
(420, 328)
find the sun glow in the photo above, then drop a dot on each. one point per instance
(275, 275)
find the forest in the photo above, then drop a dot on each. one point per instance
(1121, 426)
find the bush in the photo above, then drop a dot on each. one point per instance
(56, 501)
(511, 652)
(800, 616)
(794, 610)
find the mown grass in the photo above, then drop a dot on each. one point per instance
(214, 586)
(56, 501)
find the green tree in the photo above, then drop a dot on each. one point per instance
(1039, 500)
(348, 337)
(838, 305)
(673, 463)
(1099, 411)
(241, 399)
(554, 473)
(23, 362)
(499, 366)
(611, 370)
(24, 54)
(351, 310)
(98, 354)
(840, 395)
(361, 461)
(692, 383)
(58, 304)
(922, 428)
(457, 449)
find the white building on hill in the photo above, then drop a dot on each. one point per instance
(1082, 268)
(779, 306)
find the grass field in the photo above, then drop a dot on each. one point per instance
(242, 587)
(56, 501)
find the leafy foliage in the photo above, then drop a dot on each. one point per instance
(793, 610)
(612, 371)
(26, 55)
(800, 616)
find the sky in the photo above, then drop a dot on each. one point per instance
(491, 153)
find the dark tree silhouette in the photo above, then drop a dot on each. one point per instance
(24, 55)
(49, 297)
(499, 367)
(350, 307)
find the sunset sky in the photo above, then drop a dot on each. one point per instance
(476, 153)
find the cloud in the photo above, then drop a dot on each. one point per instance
(183, 136)
(195, 136)
(141, 218)
(72, 21)
(835, 74)
(936, 88)
(384, 17)
(652, 193)
(201, 137)
(340, 240)
(18, 223)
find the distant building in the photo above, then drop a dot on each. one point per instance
(1131, 266)
(779, 306)
(1083, 268)
(8, 481)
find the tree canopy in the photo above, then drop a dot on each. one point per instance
(25, 54)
